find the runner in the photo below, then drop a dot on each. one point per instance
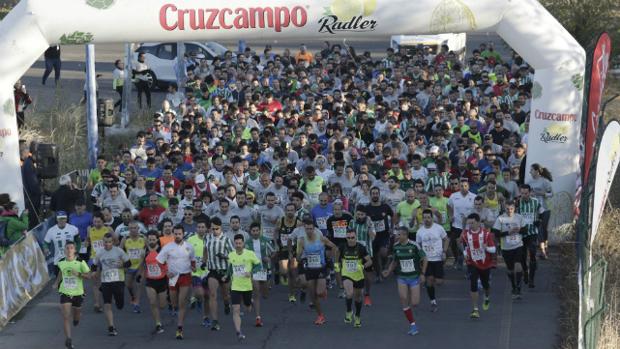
(354, 259)
(434, 242)
(57, 236)
(286, 247)
(215, 256)
(311, 254)
(166, 232)
(181, 262)
(134, 245)
(478, 248)
(264, 250)
(70, 285)
(365, 235)
(110, 263)
(404, 212)
(337, 231)
(409, 265)
(156, 279)
(199, 280)
(511, 227)
(242, 263)
(380, 215)
(531, 210)
(459, 204)
(94, 241)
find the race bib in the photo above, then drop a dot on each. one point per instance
(513, 239)
(111, 275)
(314, 261)
(407, 265)
(321, 222)
(98, 244)
(429, 249)
(70, 282)
(351, 266)
(135, 253)
(528, 218)
(82, 249)
(239, 270)
(477, 254)
(153, 270)
(379, 225)
(284, 239)
(340, 232)
(260, 276)
(268, 232)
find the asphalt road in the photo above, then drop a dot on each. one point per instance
(529, 323)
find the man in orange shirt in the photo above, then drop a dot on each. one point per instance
(304, 56)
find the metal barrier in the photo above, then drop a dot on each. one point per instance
(594, 307)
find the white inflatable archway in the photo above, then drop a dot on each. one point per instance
(525, 25)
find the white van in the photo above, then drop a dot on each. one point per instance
(456, 43)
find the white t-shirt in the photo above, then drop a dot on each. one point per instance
(461, 206)
(59, 237)
(178, 257)
(505, 224)
(431, 241)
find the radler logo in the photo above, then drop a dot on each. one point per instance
(348, 16)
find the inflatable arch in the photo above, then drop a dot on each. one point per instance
(524, 24)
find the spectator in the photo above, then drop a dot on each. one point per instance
(16, 224)
(66, 196)
(52, 61)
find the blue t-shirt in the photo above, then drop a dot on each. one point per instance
(320, 216)
(82, 222)
(151, 175)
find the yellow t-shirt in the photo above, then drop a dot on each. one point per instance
(241, 264)
(135, 249)
(96, 239)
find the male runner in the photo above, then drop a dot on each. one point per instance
(134, 244)
(263, 249)
(199, 280)
(365, 234)
(531, 209)
(354, 258)
(337, 231)
(58, 235)
(215, 256)
(380, 214)
(156, 279)
(286, 246)
(511, 227)
(434, 242)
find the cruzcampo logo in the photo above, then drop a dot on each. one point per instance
(452, 16)
(537, 90)
(100, 4)
(76, 38)
(9, 107)
(348, 16)
(577, 81)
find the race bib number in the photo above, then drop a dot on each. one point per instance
(340, 232)
(321, 222)
(350, 266)
(260, 276)
(407, 266)
(513, 239)
(153, 270)
(239, 270)
(379, 225)
(477, 254)
(98, 244)
(268, 232)
(429, 249)
(83, 249)
(314, 261)
(111, 275)
(135, 253)
(528, 218)
(284, 239)
(70, 282)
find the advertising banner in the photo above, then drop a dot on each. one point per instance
(23, 274)
(606, 167)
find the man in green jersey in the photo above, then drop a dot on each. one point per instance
(439, 202)
(241, 264)
(199, 277)
(531, 209)
(354, 258)
(264, 249)
(403, 214)
(71, 288)
(409, 265)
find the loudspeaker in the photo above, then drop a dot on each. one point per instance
(105, 112)
(48, 165)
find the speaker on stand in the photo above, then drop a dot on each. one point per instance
(105, 117)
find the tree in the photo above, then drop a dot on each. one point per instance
(586, 19)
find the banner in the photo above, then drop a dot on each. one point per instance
(606, 166)
(23, 274)
(600, 66)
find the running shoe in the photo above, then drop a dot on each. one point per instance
(311, 305)
(69, 344)
(136, 308)
(342, 294)
(240, 337)
(112, 331)
(358, 322)
(486, 304)
(192, 302)
(284, 281)
(98, 309)
(206, 322)
(226, 308)
(159, 329)
(434, 307)
(475, 314)
(76, 322)
(320, 320)
(514, 294)
(259, 322)
(179, 335)
(367, 301)
(348, 317)
(292, 298)
(413, 330)
(215, 325)
(519, 293)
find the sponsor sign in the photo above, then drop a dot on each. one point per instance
(556, 133)
(23, 274)
(348, 16)
(548, 116)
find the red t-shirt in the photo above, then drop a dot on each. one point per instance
(475, 244)
(154, 269)
(150, 216)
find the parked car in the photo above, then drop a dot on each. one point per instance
(161, 58)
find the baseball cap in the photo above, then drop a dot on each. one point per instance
(61, 214)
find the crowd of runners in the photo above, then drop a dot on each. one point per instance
(312, 172)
